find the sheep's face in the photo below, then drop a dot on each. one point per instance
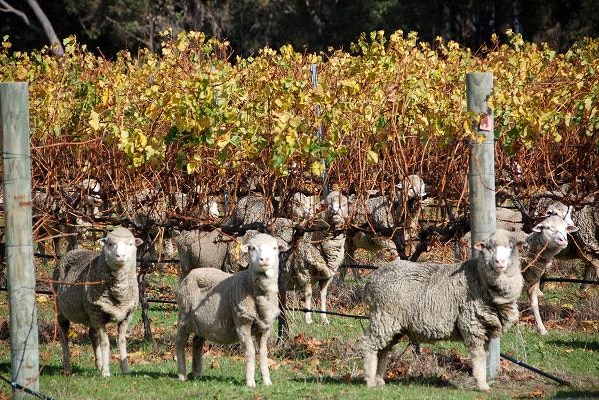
(500, 250)
(336, 208)
(561, 210)
(264, 251)
(120, 247)
(554, 232)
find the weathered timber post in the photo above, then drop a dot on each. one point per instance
(16, 178)
(482, 177)
(319, 131)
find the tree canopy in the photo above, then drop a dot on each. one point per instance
(108, 26)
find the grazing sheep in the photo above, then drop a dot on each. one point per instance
(229, 308)
(586, 240)
(547, 239)
(470, 302)
(317, 255)
(94, 289)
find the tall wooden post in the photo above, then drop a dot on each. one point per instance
(16, 175)
(482, 177)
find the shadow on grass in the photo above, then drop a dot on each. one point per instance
(582, 344)
(434, 381)
(576, 395)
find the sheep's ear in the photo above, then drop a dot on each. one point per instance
(572, 228)
(521, 245)
(480, 246)
(244, 248)
(538, 228)
(102, 241)
(283, 247)
(138, 242)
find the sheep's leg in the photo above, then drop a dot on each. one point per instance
(183, 332)
(533, 294)
(590, 274)
(375, 345)
(93, 337)
(308, 302)
(263, 352)
(64, 324)
(197, 355)
(104, 350)
(478, 355)
(324, 286)
(370, 358)
(247, 345)
(122, 339)
(383, 361)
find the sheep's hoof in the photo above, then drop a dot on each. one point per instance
(379, 381)
(543, 332)
(484, 387)
(251, 384)
(267, 382)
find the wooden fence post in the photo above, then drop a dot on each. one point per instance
(16, 179)
(482, 177)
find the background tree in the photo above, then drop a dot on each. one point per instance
(112, 25)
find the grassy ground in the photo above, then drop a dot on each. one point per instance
(321, 361)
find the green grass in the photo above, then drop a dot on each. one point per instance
(320, 361)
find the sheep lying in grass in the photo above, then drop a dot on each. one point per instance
(548, 238)
(317, 256)
(226, 308)
(94, 289)
(470, 302)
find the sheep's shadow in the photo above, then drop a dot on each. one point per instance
(581, 394)
(591, 345)
(422, 381)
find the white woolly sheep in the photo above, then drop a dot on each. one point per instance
(95, 289)
(316, 256)
(547, 239)
(229, 308)
(470, 302)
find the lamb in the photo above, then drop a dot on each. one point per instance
(548, 238)
(95, 289)
(317, 256)
(229, 308)
(470, 302)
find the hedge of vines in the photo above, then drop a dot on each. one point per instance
(193, 115)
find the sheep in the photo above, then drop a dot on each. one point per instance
(387, 217)
(229, 308)
(547, 239)
(512, 221)
(252, 208)
(317, 256)
(217, 249)
(586, 240)
(95, 289)
(470, 302)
